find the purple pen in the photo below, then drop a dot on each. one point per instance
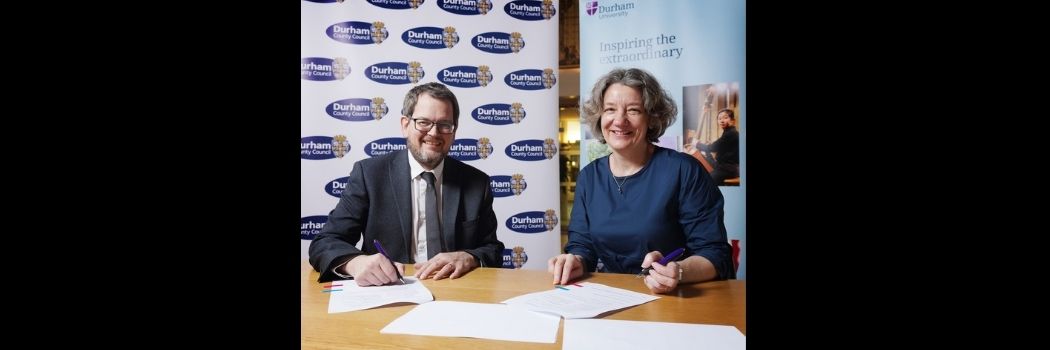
(383, 251)
(664, 261)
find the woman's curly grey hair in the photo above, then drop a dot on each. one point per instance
(657, 103)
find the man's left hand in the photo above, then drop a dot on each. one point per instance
(451, 264)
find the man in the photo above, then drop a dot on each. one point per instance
(389, 198)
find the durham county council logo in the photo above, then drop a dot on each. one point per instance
(431, 37)
(397, 4)
(499, 42)
(385, 145)
(341, 67)
(484, 147)
(323, 147)
(531, 79)
(466, 7)
(530, 10)
(360, 33)
(548, 78)
(532, 150)
(358, 109)
(519, 258)
(335, 187)
(506, 186)
(517, 183)
(395, 73)
(549, 149)
(550, 219)
(514, 258)
(340, 145)
(499, 113)
(533, 221)
(324, 69)
(415, 71)
(451, 38)
(379, 32)
(470, 149)
(516, 112)
(379, 108)
(310, 226)
(484, 75)
(516, 42)
(466, 76)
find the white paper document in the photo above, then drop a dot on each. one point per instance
(633, 335)
(475, 320)
(580, 301)
(348, 296)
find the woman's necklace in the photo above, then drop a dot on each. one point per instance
(619, 183)
(620, 180)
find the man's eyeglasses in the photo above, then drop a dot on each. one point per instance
(424, 126)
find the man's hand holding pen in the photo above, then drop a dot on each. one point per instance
(373, 270)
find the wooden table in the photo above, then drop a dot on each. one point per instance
(720, 303)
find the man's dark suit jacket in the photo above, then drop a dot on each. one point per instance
(377, 203)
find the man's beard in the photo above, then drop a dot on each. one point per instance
(426, 158)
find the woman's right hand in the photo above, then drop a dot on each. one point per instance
(565, 267)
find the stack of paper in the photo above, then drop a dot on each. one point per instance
(351, 297)
(580, 300)
(476, 320)
(632, 335)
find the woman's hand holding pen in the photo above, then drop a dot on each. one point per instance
(661, 278)
(565, 268)
(373, 270)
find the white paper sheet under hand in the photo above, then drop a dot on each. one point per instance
(353, 297)
(633, 335)
(474, 320)
(587, 300)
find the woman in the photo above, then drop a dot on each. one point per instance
(642, 200)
